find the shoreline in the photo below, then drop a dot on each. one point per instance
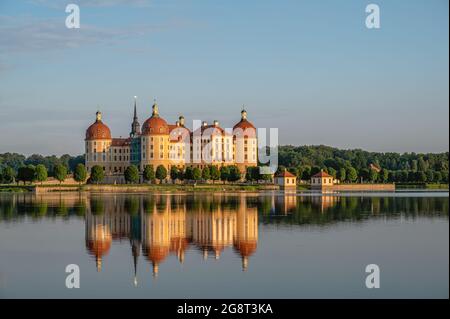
(192, 188)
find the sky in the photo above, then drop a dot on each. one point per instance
(311, 68)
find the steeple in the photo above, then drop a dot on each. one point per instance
(135, 126)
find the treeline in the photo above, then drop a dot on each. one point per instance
(356, 165)
(16, 167)
(213, 173)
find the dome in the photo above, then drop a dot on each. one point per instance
(98, 247)
(245, 247)
(156, 253)
(244, 125)
(98, 130)
(155, 125)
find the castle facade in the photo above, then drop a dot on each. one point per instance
(160, 143)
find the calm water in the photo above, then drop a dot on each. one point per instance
(262, 245)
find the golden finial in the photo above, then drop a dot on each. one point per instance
(155, 108)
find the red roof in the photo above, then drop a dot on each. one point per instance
(98, 131)
(285, 174)
(120, 141)
(155, 125)
(322, 174)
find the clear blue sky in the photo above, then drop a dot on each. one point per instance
(310, 68)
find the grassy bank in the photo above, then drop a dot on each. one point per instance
(15, 188)
(421, 186)
(174, 187)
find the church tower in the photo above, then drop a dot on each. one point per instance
(135, 126)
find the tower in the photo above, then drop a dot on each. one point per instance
(135, 126)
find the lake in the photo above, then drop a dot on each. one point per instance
(225, 245)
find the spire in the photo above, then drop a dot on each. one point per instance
(135, 113)
(135, 281)
(135, 126)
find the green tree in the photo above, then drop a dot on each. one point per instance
(430, 176)
(26, 173)
(196, 174)
(224, 173)
(8, 175)
(149, 173)
(352, 175)
(131, 174)
(174, 173)
(60, 172)
(306, 175)
(444, 178)
(341, 174)
(80, 173)
(315, 170)
(206, 173)
(384, 175)
(422, 165)
(364, 174)
(161, 173)
(373, 175)
(332, 172)
(252, 173)
(421, 177)
(189, 174)
(234, 174)
(97, 174)
(437, 178)
(215, 173)
(41, 173)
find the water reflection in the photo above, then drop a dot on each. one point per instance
(157, 226)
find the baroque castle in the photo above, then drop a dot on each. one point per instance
(160, 143)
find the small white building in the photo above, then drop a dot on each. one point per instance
(285, 180)
(322, 180)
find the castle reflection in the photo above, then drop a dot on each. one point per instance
(156, 226)
(163, 225)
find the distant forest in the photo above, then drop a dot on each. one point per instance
(356, 164)
(304, 161)
(15, 161)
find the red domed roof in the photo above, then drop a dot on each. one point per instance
(244, 127)
(101, 244)
(155, 125)
(244, 124)
(246, 247)
(98, 131)
(156, 253)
